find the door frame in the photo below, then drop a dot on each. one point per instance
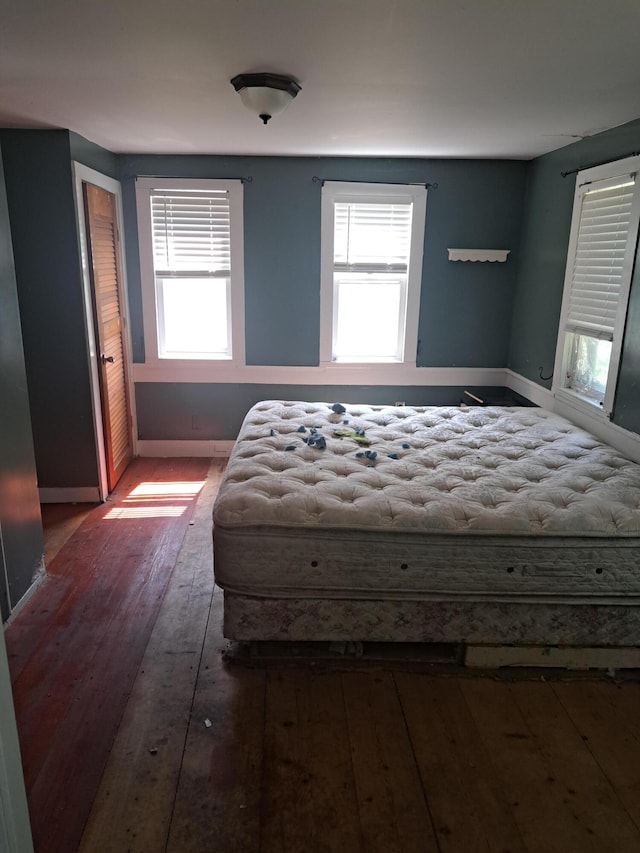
(83, 174)
(15, 829)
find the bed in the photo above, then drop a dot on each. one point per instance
(483, 525)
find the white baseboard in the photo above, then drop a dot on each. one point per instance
(74, 495)
(493, 657)
(207, 449)
(529, 389)
(623, 440)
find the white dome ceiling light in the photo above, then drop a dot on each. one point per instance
(266, 95)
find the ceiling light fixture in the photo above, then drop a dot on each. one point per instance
(266, 94)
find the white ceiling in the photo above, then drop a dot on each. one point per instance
(410, 78)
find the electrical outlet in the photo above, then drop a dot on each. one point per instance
(401, 403)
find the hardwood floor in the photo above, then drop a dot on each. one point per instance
(75, 649)
(60, 521)
(212, 755)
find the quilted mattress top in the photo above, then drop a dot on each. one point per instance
(490, 471)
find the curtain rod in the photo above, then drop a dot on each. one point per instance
(601, 163)
(246, 180)
(322, 181)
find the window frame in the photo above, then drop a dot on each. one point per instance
(370, 193)
(619, 168)
(151, 319)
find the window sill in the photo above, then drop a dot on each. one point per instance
(186, 370)
(329, 373)
(199, 358)
(394, 375)
(366, 365)
(583, 404)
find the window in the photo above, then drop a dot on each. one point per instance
(602, 249)
(372, 241)
(192, 268)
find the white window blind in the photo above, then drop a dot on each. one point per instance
(372, 237)
(599, 262)
(371, 248)
(191, 233)
(371, 272)
(192, 269)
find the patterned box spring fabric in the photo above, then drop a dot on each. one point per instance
(451, 524)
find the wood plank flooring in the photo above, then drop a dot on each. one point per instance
(212, 755)
(74, 650)
(60, 522)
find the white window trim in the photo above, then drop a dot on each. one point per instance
(144, 186)
(333, 191)
(565, 395)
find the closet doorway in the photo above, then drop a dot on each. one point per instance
(98, 205)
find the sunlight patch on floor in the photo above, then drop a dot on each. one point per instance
(163, 490)
(156, 500)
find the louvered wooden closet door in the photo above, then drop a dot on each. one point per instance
(104, 257)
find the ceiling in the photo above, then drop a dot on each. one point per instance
(404, 78)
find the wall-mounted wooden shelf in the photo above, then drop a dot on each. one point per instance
(493, 255)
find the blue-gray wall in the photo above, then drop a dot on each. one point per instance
(39, 183)
(21, 545)
(471, 315)
(37, 168)
(465, 309)
(93, 156)
(543, 257)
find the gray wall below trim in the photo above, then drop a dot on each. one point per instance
(540, 279)
(465, 309)
(21, 544)
(196, 411)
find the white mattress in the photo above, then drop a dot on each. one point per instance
(499, 503)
